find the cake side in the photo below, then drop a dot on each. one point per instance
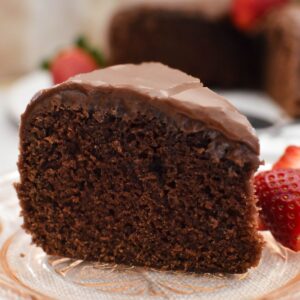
(100, 181)
(282, 74)
(192, 40)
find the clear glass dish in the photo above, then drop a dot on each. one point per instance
(26, 272)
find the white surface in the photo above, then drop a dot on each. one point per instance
(256, 104)
(13, 102)
(8, 139)
(20, 93)
(274, 140)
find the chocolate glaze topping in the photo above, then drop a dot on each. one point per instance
(171, 91)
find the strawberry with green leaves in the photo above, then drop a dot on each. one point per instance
(71, 62)
(80, 58)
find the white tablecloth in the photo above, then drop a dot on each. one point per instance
(8, 140)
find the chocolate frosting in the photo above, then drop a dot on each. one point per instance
(171, 91)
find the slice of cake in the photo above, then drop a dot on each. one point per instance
(198, 37)
(140, 165)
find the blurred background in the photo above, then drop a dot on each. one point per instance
(31, 31)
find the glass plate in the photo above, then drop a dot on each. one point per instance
(26, 272)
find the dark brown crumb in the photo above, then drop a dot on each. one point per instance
(137, 191)
(22, 255)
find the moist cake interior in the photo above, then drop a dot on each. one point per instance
(99, 184)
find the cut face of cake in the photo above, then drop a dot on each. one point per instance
(140, 165)
(198, 37)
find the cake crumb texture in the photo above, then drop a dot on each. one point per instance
(98, 184)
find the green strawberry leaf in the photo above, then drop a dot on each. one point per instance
(82, 43)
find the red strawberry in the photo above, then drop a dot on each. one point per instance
(290, 159)
(70, 63)
(278, 192)
(245, 13)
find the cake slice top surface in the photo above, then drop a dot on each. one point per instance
(154, 79)
(170, 91)
(185, 94)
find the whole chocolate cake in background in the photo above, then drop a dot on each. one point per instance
(140, 165)
(198, 37)
(282, 72)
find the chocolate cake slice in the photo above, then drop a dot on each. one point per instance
(140, 165)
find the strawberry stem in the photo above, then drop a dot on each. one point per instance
(82, 43)
(45, 64)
